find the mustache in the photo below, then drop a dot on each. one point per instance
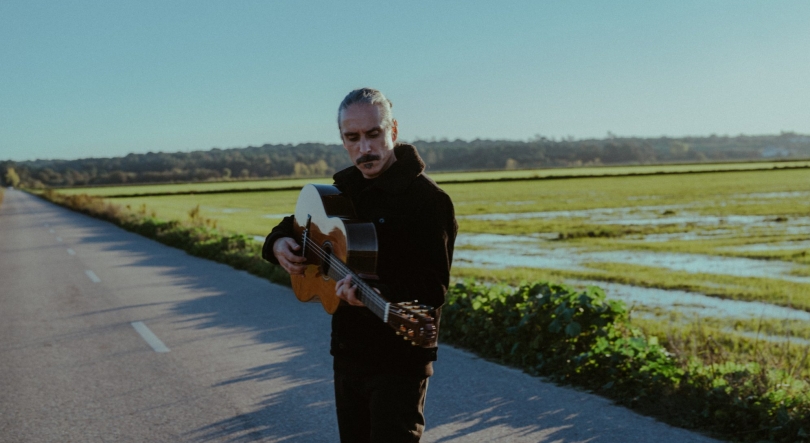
(367, 158)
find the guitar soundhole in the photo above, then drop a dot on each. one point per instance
(327, 248)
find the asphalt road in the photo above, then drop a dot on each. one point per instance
(240, 359)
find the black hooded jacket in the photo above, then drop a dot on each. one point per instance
(416, 230)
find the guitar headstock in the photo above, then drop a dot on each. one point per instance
(414, 322)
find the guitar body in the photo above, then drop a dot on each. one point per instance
(330, 222)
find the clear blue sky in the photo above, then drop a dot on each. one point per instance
(106, 78)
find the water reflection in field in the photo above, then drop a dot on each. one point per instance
(698, 263)
(686, 236)
(505, 251)
(495, 251)
(773, 195)
(650, 216)
(775, 246)
(691, 303)
(770, 338)
(645, 214)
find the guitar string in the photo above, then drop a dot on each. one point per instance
(334, 262)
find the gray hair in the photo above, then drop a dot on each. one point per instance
(372, 97)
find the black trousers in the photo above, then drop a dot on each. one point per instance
(380, 408)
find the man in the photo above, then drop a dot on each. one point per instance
(380, 379)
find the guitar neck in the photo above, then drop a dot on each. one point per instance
(365, 293)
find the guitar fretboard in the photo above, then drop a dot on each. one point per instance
(365, 293)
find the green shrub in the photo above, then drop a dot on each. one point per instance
(553, 330)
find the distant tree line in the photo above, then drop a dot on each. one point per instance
(315, 159)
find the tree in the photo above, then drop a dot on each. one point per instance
(679, 150)
(11, 178)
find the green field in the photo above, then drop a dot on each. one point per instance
(736, 236)
(252, 213)
(442, 177)
(182, 188)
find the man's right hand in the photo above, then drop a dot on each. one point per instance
(285, 249)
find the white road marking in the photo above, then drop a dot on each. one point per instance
(51, 231)
(93, 277)
(59, 239)
(71, 251)
(149, 337)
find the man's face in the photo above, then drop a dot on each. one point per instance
(369, 144)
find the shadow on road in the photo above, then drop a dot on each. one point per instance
(296, 339)
(301, 409)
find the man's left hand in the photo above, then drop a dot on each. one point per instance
(345, 291)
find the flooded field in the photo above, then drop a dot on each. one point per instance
(693, 304)
(502, 251)
(655, 215)
(726, 250)
(774, 246)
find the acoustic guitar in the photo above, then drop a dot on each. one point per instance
(335, 245)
